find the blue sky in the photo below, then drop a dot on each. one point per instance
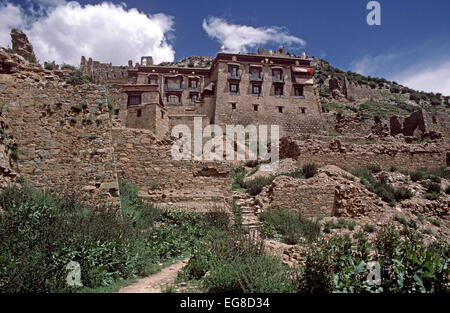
(412, 44)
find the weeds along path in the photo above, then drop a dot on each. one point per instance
(158, 282)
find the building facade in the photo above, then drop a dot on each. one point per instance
(263, 88)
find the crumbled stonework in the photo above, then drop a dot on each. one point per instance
(22, 46)
(330, 193)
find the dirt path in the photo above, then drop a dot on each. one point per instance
(158, 282)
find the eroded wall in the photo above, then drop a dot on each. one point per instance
(147, 162)
(63, 136)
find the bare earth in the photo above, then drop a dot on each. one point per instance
(158, 282)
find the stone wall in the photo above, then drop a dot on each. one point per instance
(387, 154)
(104, 72)
(147, 162)
(63, 136)
(332, 192)
(311, 197)
(7, 174)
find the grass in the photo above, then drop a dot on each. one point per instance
(41, 233)
(289, 225)
(385, 110)
(434, 174)
(369, 228)
(380, 187)
(435, 222)
(340, 223)
(256, 185)
(331, 106)
(77, 78)
(431, 196)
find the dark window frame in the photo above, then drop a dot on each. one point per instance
(132, 99)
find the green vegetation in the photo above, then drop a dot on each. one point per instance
(432, 174)
(405, 222)
(431, 196)
(40, 234)
(289, 226)
(385, 191)
(50, 66)
(111, 106)
(332, 106)
(369, 228)
(256, 185)
(332, 132)
(68, 66)
(77, 78)
(435, 222)
(339, 224)
(385, 110)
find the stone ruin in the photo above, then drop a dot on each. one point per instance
(22, 46)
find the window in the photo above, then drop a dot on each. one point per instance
(280, 109)
(255, 107)
(174, 83)
(193, 83)
(278, 91)
(134, 99)
(173, 99)
(153, 80)
(193, 96)
(233, 71)
(162, 114)
(139, 113)
(233, 106)
(257, 89)
(298, 91)
(255, 73)
(116, 112)
(303, 110)
(277, 74)
(234, 88)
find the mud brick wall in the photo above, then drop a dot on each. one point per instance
(402, 156)
(311, 197)
(147, 162)
(61, 148)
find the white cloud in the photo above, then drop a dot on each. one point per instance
(427, 78)
(370, 65)
(430, 74)
(239, 38)
(10, 17)
(106, 32)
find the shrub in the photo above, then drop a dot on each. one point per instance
(49, 65)
(317, 275)
(369, 228)
(417, 176)
(402, 193)
(255, 186)
(309, 170)
(77, 78)
(431, 196)
(435, 222)
(239, 264)
(68, 66)
(290, 225)
(432, 187)
(374, 168)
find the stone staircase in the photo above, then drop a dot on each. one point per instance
(250, 213)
